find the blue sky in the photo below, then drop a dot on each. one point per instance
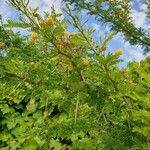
(131, 53)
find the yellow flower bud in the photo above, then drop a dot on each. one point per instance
(34, 36)
(86, 62)
(118, 52)
(50, 21)
(42, 23)
(66, 33)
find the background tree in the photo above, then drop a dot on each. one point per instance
(118, 14)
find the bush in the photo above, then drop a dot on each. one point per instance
(61, 90)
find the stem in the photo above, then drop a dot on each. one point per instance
(76, 110)
(76, 24)
(110, 78)
(100, 115)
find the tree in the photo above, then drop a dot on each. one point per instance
(60, 90)
(118, 14)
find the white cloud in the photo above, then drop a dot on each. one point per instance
(143, 7)
(138, 14)
(133, 52)
(6, 11)
(45, 5)
(96, 26)
(100, 29)
(136, 55)
(139, 18)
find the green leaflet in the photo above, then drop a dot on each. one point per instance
(12, 24)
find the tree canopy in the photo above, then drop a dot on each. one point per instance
(118, 14)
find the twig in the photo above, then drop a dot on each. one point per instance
(100, 115)
(76, 110)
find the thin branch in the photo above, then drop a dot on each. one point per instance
(80, 29)
(12, 75)
(76, 110)
(101, 113)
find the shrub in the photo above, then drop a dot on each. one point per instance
(63, 92)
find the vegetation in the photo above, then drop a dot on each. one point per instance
(61, 90)
(117, 13)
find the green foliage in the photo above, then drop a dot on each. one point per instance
(117, 13)
(140, 96)
(13, 24)
(60, 90)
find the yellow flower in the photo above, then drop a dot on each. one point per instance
(86, 62)
(2, 45)
(66, 33)
(118, 52)
(34, 36)
(50, 21)
(130, 82)
(42, 23)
